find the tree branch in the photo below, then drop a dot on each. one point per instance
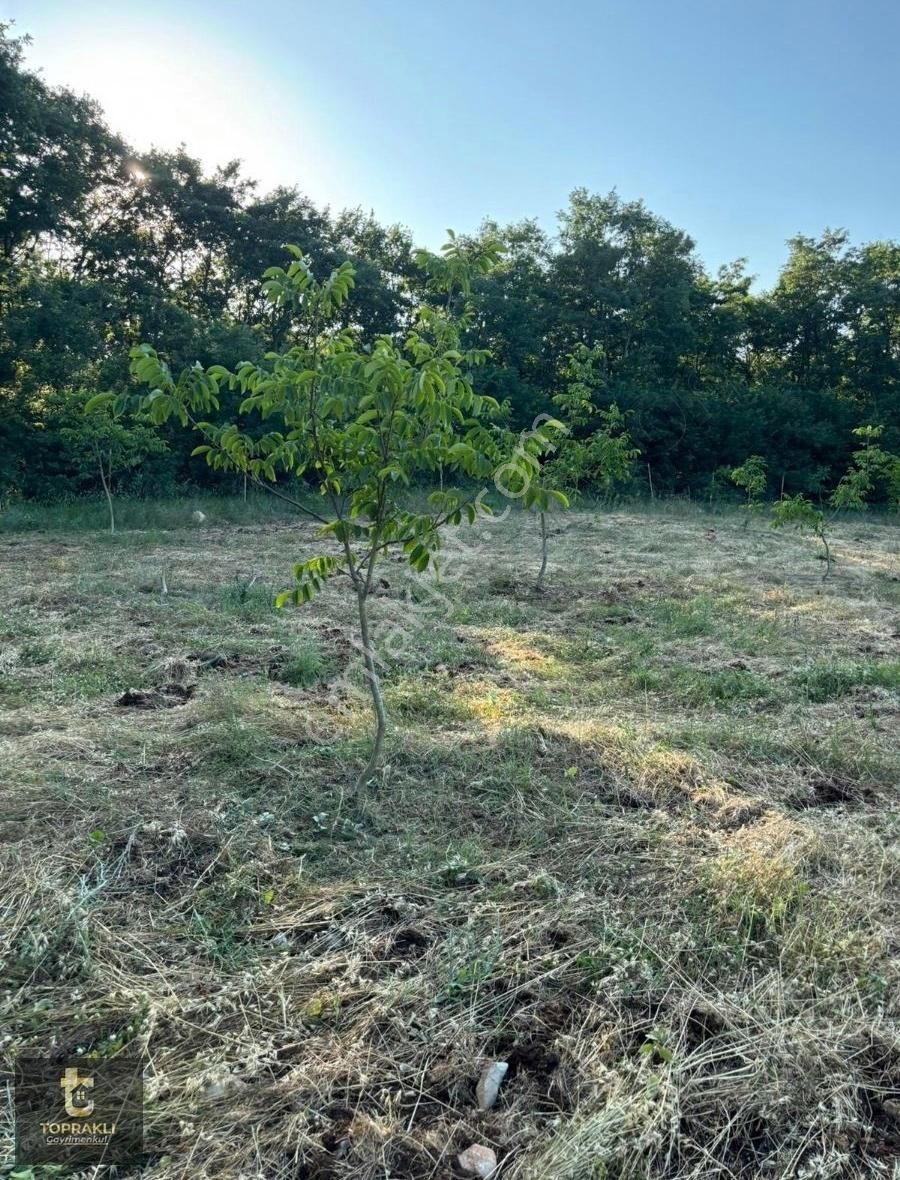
(273, 491)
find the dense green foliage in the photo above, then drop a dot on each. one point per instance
(102, 249)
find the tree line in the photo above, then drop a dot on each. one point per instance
(103, 248)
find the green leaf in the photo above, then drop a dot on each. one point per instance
(99, 401)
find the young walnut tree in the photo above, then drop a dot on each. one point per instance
(752, 477)
(798, 513)
(589, 445)
(99, 444)
(359, 423)
(871, 466)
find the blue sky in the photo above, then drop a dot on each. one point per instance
(742, 123)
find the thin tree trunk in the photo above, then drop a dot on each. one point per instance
(106, 488)
(540, 578)
(824, 541)
(650, 478)
(374, 762)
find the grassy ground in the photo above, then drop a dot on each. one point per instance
(636, 837)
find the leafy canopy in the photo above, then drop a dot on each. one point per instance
(797, 512)
(552, 461)
(360, 423)
(751, 476)
(597, 447)
(872, 466)
(101, 437)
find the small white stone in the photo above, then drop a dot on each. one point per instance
(221, 1087)
(198, 516)
(489, 1084)
(477, 1161)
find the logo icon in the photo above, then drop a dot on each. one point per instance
(75, 1087)
(78, 1111)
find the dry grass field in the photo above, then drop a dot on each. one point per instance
(636, 836)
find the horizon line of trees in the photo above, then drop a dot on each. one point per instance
(102, 248)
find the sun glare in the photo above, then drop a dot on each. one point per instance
(161, 92)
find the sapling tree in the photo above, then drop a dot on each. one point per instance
(752, 478)
(524, 476)
(584, 445)
(100, 445)
(797, 512)
(357, 421)
(871, 467)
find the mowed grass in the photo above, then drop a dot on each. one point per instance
(635, 836)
